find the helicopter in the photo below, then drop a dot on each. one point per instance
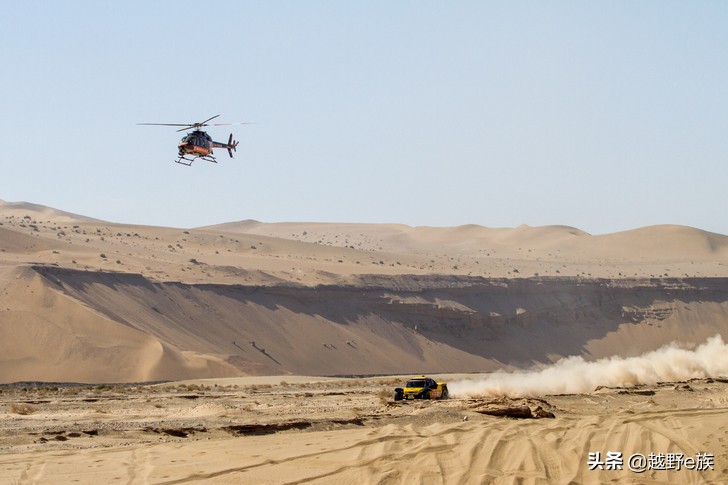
(197, 143)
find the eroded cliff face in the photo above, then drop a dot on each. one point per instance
(383, 325)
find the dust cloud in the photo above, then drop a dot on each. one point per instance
(573, 375)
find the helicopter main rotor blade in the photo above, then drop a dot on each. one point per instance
(187, 126)
(165, 124)
(203, 123)
(197, 126)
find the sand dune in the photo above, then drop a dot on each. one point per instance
(91, 301)
(45, 335)
(661, 241)
(38, 211)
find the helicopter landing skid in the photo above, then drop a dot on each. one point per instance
(182, 160)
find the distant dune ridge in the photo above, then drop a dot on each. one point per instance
(21, 209)
(91, 301)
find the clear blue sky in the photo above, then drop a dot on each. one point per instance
(606, 116)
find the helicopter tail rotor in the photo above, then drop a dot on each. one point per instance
(231, 145)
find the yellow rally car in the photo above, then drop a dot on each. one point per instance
(421, 387)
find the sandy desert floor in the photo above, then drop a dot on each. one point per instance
(324, 430)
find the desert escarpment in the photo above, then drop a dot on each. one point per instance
(381, 325)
